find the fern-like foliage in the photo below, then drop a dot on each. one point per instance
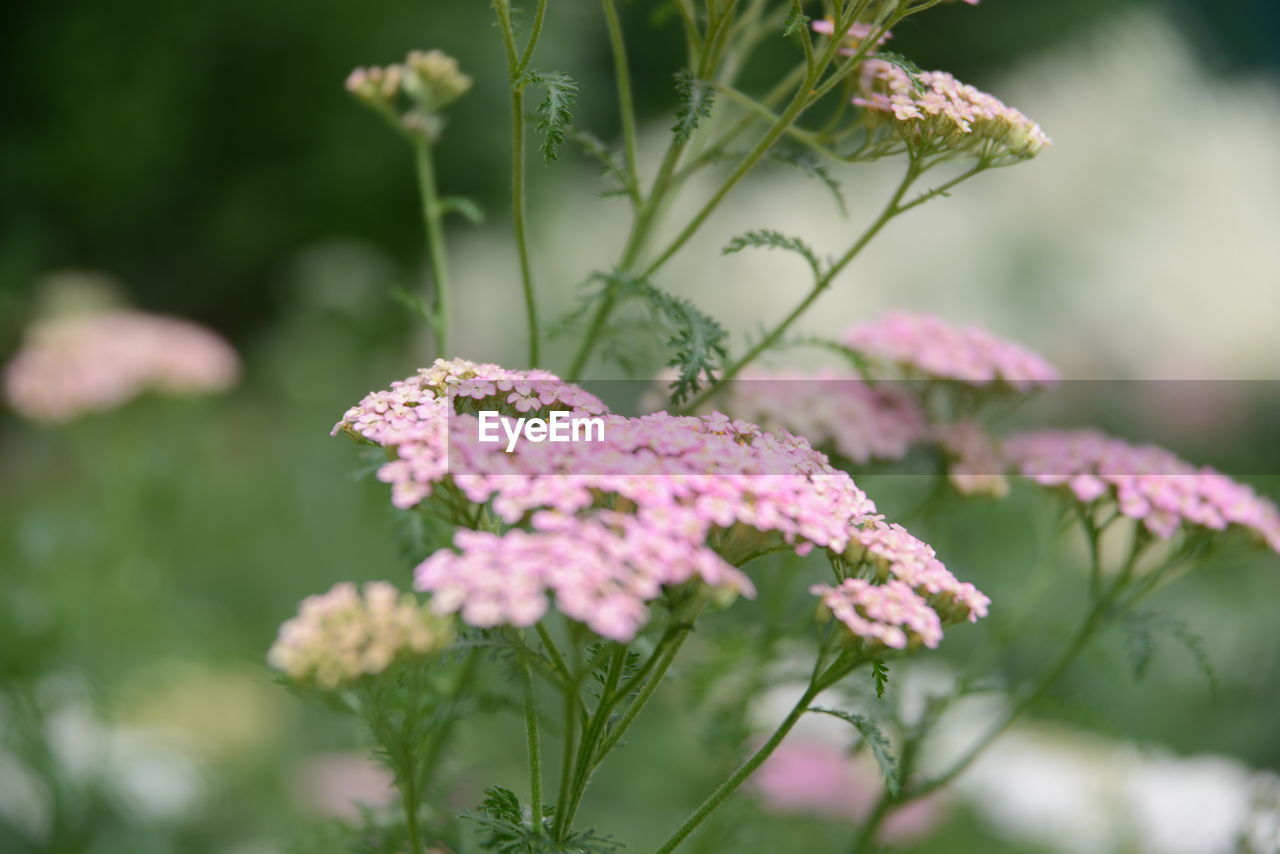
(876, 742)
(696, 341)
(880, 672)
(556, 110)
(696, 99)
(797, 22)
(594, 146)
(912, 70)
(811, 165)
(598, 657)
(500, 814)
(767, 238)
(1141, 629)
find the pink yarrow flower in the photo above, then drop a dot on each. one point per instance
(841, 411)
(84, 363)
(928, 345)
(601, 527)
(1146, 483)
(934, 112)
(974, 463)
(816, 778)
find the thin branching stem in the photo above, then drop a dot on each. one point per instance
(432, 217)
(626, 102)
(517, 63)
(821, 283)
(533, 740)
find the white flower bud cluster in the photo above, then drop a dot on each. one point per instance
(340, 636)
(412, 94)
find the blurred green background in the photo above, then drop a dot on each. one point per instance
(209, 159)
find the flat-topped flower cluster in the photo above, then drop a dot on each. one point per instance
(926, 345)
(933, 113)
(859, 421)
(83, 363)
(1146, 483)
(863, 417)
(605, 526)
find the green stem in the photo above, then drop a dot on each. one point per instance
(871, 826)
(567, 765)
(729, 786)
(409, 800)
(535, 747)
(626, 104)
(538, 16)
(515, 68)
(820, 284)
(658, 665)
(435, 750)
(433, 216)
(1103, 607)
(583, 765)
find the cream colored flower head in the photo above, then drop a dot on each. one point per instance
(345, 634)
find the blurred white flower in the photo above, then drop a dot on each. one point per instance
(148, 776)
(24, 799)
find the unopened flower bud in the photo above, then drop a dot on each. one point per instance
(434, 79)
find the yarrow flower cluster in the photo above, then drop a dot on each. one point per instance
(603, 571)
(974, 462)
(925, 344)
(659, 501)
(74, 365)
(415, 416)
(933, 112)
(891, 552)
(1146, 482)
(346, 633)
(889, 614)
(428, 81)
(859, 421)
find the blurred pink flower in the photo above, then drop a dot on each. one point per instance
(974, 466)
(859, 421)
(814, 778)
(1147, 483)
(968, 354)
(337, 784)
(71, 366)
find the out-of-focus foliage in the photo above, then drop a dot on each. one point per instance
(190, 150)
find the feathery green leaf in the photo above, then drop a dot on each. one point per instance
(797, 22)
(880, 672)
(696, 99)
(912, 70)
(1141, 628)
(767, 238)
(812, 166)
(696, 341)
(876, 742)
(556, 109)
